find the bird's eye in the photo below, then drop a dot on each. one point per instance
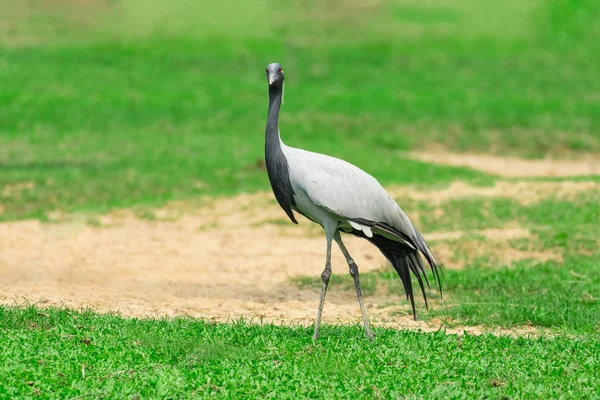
(267, 71)
(280, 70)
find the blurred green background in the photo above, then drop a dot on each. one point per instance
(108, 103)
(134, 103)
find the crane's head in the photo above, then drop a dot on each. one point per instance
(274, 74)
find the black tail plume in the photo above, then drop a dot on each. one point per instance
(406, 260)
(402, 265)
(433, 261)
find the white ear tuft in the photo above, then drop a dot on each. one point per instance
(282, 92)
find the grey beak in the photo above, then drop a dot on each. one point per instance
(271, 79)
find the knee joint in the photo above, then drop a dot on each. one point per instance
(353, 268)
(326, 275)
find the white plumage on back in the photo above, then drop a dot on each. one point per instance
(343, 189)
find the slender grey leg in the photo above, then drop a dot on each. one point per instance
(354, 273)
(325, 279)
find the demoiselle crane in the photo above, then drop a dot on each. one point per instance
(341, 197)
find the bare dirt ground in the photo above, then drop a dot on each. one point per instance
(522, 191)
(231, 258)
(515, 167)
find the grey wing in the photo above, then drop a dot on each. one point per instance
(346, 191)
(356, 197)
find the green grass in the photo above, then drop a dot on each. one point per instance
(115, 104)
(546, 295)
(561, 296)
(62, 354)
(130, 107)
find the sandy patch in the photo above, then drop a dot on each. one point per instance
(233, 257)
(513, 166)
(459, 253)
(216, 264)
(459, 248)
(522, 191)
(491, 234)
(16, 189)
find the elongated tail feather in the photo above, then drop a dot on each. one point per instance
(401, 265)
(431, 259)
(412, 263)
(407, 260)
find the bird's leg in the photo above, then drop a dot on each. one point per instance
(354, 273)
(325, 280)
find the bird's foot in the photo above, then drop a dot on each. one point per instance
(369, 334)
(316, 334)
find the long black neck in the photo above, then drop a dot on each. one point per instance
(277, 165)
(275, 97)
